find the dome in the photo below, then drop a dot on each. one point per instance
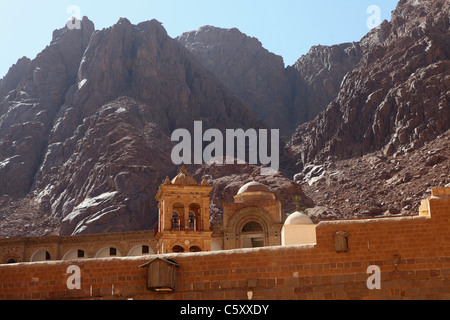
(254, 191)
(298, 218)
(184, 179)
(253, 187)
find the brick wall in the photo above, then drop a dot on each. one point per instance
(413, 254)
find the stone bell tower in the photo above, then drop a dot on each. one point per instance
(183, 224)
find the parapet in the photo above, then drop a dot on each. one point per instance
(438, 204)
(440, 192)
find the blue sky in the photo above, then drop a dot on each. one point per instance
(285, 27)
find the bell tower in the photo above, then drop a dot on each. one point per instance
(183, 223)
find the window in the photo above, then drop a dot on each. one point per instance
(192, 221)
(195, 217)
(145, 249)
(177, 249)
(80, 254)
(112, 251)
(175, 221)
(195, 249)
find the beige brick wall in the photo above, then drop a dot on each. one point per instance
(413, 254)
(414, 265)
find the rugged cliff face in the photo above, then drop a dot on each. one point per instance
(396, 99)
(281, 97)
(319, 74)
(86, 131)
(28, 111)
(247, 69)
(382, 144)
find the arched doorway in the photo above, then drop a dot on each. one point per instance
(252, 235)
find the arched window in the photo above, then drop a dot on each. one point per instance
(41, 255)
(195, 249)
(175, 221)
(140, 250)
(177, 249)
(74, 254)
(107, 252)
(192, 221)
(194, 217)
(10, 258)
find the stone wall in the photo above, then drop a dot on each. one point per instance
(412, 254)
(23, 249)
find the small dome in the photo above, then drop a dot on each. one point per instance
(184, 179)
(298, 218)
(253, 187)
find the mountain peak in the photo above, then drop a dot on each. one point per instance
(86, 27)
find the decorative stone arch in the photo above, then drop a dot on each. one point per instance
(11, 258)
(250, 215)
(140, 250)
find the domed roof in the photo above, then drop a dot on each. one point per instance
(184, 179)
(253, 187)
(298, 218)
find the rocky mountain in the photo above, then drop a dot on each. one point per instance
(90, 121)
(85, 133)
(376, 184)
(382, 144)
(85, 127)
(318, 75)
(281, 97)
(246, 68)
(396, 99)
